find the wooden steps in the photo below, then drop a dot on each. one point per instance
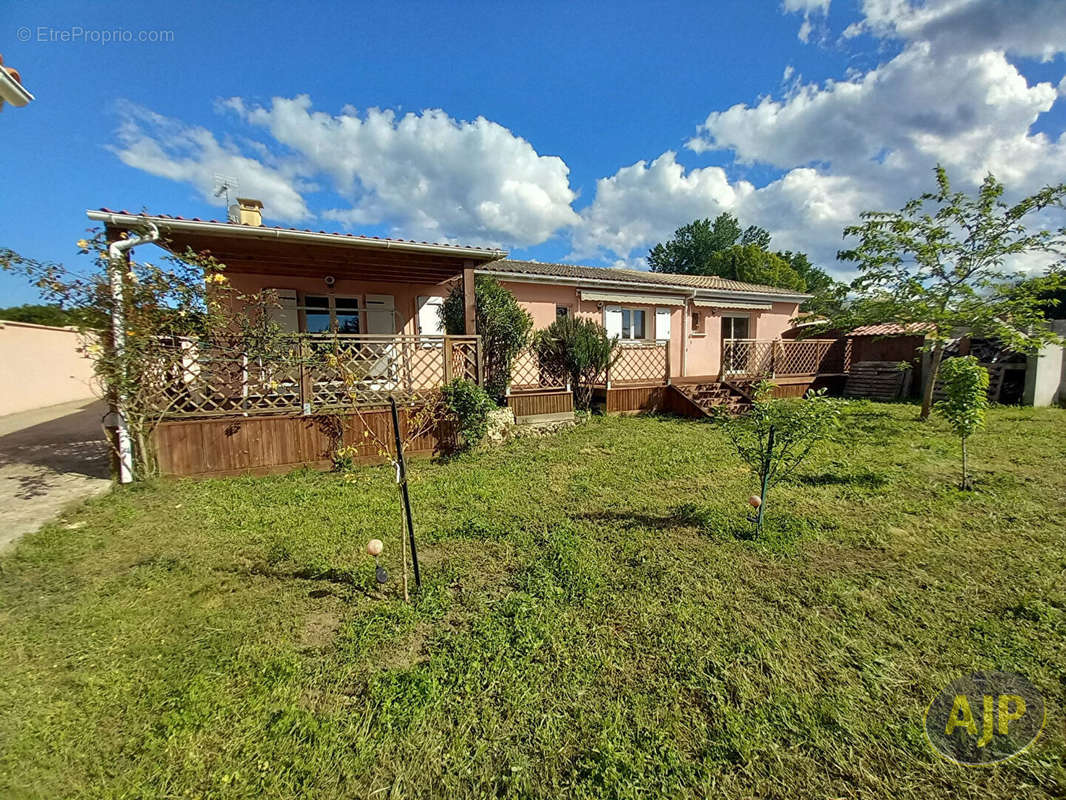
(711, 397)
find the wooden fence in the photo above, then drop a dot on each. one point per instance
(639, 363)
(308, 373)
(764, 358)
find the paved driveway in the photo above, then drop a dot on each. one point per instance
(49, 458)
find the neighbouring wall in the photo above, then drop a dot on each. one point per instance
(41, 366)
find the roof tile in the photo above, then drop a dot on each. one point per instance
(666, 279)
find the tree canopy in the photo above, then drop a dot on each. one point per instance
(945, 260)
(722, 247)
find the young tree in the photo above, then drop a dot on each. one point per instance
(775, 437)
(965, 384)
(502, 323)
(942, 261)
(577, 350)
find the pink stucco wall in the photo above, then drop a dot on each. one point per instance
(699, 352)
(41, 366)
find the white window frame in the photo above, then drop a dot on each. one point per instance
(621, 324)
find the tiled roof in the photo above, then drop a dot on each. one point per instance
(487, 250)
(892, 329)
(667, 280)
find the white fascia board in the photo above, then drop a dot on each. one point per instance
(11, 91)
(310, 237)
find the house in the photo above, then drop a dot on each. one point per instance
(382, 297)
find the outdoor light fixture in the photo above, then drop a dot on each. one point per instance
(330, 281)
(374, 548)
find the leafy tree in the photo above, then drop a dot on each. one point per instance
(51, 314)
(817, 281)
(722, 248)
(576, 350)
(754, 265)
(503, 325)
(755, 236)
(965, 384)
(692, 246)
(776, 436)
(941, 261)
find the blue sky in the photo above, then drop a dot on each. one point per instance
(562, 131)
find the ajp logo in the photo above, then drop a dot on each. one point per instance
(984, 718)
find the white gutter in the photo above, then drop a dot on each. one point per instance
(117, 253)
(669, 290)
(235, 230)
(11, 91)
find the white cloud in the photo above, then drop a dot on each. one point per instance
(188, 154)
(424, 175)
(807, 6)
(869, 141)
(1033, 28)
(638, 203)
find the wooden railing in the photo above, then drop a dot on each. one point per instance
(528, 376)
(639, 363)
(309, 373)
(765, 358)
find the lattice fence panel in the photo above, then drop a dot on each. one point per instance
(306, 373)
(747, 357)
(639, 363)
(527, 375)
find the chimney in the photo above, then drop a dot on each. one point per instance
(251, 211)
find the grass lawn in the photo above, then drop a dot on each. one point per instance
(593, 623)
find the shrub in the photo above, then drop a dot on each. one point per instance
(503, 325)
(575, 350)
(468, 406)
(965, 384)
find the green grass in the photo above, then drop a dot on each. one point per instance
(595, 622)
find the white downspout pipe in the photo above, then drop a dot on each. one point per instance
(117, 253)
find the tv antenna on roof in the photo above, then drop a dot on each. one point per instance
(224, 185)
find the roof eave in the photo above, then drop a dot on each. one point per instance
(11, 91)
(667, 289)
(310, 237)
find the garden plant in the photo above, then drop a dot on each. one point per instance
(965, 384)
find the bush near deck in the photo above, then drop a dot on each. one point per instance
(593, 623)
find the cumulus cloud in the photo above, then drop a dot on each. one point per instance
(636, 204)
(190, 154)
(867, 141)
(424, 175)
(1032, 28)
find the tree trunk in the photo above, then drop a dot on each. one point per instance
(966, 485)
(930, 380)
